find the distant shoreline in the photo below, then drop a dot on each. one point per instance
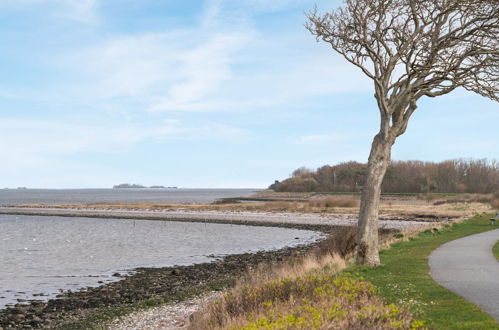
(139, 186)
(319, 222)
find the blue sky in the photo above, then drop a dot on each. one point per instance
(229, 93)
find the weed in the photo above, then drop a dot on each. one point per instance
(329, 202)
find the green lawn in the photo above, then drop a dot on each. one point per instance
(404, 279)
(495, 250)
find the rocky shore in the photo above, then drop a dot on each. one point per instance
(294, 220)
(147, 287)
(165, 317)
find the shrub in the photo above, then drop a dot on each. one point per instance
(334, 202)
(312, 301)
(494, 203)
(341, 242)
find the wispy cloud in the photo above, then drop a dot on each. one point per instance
(77, 10)
(205, 68)
(28, 143)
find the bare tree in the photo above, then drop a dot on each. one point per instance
(410, 49)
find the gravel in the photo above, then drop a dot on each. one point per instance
(171, 316)
(231, 217)
(175, 316)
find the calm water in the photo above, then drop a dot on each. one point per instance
(55, 196)
(45, 254)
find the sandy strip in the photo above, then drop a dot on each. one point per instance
(171, 316)
(230, 217)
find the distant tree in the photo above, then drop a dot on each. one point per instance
(409, 49)
(409, 176)
(302, 171)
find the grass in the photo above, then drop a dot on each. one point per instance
(403, 279)
(424, 207)
(305, 293)
(409, 208)
(404, 292)
(494, 202)
(317, 300)
(495, 250)
(334, 202)
(390, 194)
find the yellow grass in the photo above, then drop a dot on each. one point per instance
(391, 207)
(304, 293)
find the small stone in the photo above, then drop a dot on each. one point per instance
(36, 319)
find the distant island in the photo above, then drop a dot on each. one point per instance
(135, 186)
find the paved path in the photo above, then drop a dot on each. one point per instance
(466, 266)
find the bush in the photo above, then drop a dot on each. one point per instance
(313, 301)
(334, 202)
(494, 202)
(341, 242)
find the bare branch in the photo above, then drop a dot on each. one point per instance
(413, 48)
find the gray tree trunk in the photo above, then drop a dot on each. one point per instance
(367, 232)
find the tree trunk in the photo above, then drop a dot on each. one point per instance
(367, 232)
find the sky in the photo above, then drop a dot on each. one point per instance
(227, 93)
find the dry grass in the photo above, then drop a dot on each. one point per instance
(463, 198)
(302, 294)
(341, 243)
(391, 207)
(318, 300)
(494, 202)
(339, 201)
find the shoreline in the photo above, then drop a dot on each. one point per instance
(319, 221)
(149, 287)
(146, 287)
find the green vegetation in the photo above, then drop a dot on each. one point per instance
(314, 292)
(319, 299)
(495, 250)
(326, 302)
(403, 279)
(305, 293)
(399, 294)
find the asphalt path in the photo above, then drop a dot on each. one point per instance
(466, 266)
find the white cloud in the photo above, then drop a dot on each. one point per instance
(126, 66)
(223, 64)
(202, 72)
(31, 143)
(51, 138)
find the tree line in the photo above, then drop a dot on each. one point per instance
(450, 176)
